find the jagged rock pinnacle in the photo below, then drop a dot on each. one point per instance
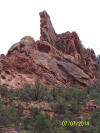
(47, 31)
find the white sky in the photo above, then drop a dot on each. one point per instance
(19, 18)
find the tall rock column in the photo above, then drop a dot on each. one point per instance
(47, 31)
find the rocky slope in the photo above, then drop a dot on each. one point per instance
(57, 60)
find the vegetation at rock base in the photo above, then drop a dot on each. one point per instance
(65, 103)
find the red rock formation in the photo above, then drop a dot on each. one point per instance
(57, 60)
(70, 43)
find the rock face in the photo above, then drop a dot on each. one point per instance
(57, 60)
(70, 44)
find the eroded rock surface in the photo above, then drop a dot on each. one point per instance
(57, 60)
(69, 43)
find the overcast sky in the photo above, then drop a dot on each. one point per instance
(19, 18)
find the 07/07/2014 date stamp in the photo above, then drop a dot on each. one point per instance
(75, 123)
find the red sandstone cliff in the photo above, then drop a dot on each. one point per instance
(57, 60)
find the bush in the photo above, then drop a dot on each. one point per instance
(75, 107)
(59, 46)
(39, 91)
(25, 94)
(69, 116)
(27, 124)
(34, 112)
(12, 94)
(20, 110)
(94, 92)
(60, 130)
(1, 105)
(75, 94)
(36, 93)
(60, 107)
(54, 93)
(3, 91)
(42, 125)
(48, 96)
(95, 118)
(7, 116)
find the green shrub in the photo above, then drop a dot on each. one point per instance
(59, 46)
(35, 93)
(20, 110)
(54, 93)
(25, 94)
(94, 92)
(60, 107)
(42, 124)
(39, 91)
(34, 112)
(75, 107)
(12, 94)
(27, 124)
(95, 118)
(48, 96)
(75, 94)
(3, 91)
(7, 116)
(69, 116)
(60, 130)
(1, 105)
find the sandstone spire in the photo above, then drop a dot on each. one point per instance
(47, 31)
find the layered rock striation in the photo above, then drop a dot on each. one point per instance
(57, 60)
